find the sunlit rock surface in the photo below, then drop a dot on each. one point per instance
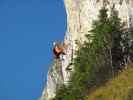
(80, 14)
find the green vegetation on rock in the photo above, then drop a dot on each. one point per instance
(99, 58)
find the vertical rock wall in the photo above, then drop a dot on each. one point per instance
(80, 14)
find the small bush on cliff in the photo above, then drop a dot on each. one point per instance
(94, 63)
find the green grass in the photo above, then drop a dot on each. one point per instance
(119, 88)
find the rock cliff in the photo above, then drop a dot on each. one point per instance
(80, 14)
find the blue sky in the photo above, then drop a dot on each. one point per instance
(27, 30)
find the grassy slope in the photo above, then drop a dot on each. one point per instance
(119, 88)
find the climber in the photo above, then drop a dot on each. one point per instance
(59, 49)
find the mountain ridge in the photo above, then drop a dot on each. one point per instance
(80, 15)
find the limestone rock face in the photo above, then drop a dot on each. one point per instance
(80, 14)
(54, 79)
